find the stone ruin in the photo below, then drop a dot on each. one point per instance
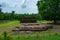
(28, 19)
(29, 24)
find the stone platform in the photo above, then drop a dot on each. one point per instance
(31, 27)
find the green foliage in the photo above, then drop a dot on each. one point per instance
(49, 9)
(5, 36)
(38, 17)
(13, 16)
(36, 36)
(1, 15)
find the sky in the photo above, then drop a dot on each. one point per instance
(19, 6)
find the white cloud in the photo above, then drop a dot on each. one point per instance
(20, 6)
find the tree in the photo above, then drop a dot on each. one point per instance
(49, 9)
(1, 13)
(38, 17)
(12, 15)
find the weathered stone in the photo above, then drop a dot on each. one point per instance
(28, 19)
(31, 27)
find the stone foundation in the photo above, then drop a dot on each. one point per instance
(29, 27)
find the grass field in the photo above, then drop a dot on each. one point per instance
(45, 21)
(9, 23)
(38, 36)
(6, 26)
(34, 36)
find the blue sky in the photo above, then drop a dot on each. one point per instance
(20, 6)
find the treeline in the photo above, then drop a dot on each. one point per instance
(15, 16)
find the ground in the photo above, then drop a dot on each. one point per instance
(7, 26)
(51, 34)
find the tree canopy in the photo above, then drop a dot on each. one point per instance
(49, 9)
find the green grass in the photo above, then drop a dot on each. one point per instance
(7, 26)
(45, 21)
(9, 23)
(36, 36)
